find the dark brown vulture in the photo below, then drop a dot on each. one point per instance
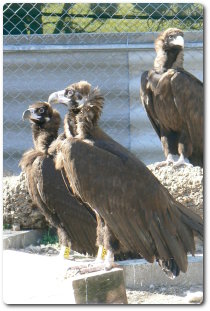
(136, 209)
(75, 221)
(173, 100)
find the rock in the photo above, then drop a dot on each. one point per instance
(195, 298)
(103, 287)
(184, 183)
(16, 227)
(18, 206)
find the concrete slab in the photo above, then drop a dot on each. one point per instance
(36, 279)
(139, 274)
(21, 239)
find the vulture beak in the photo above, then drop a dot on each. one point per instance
(58, 98)
(179, 40)
(30, 114)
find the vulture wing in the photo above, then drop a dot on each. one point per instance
(147, 101)
(138, 209)
(190, 107)
(48, 190)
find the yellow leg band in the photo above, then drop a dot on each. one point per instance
(67, 252)
(104, 252)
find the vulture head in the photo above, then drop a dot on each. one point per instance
(38, 113)
(84, 104)
(169, 47)
(75, 96)
(45, 124)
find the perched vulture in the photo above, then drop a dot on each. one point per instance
(137, 211)
(74, 220)
(173, 100)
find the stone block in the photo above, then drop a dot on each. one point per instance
(140, 275)
(21, 239)
(102, 287)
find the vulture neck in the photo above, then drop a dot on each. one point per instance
(80, 124)
(45, 134)
(169, 59)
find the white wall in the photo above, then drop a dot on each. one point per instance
(35, 66)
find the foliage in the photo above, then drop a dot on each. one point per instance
(49, 237)
(6, 226)
(54, 18)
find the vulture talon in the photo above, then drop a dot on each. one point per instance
(163, 163)
(88, 267)
(181, 161)
(167, 162)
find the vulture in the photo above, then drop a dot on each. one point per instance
(173, 100)
(131, 205)
(74, 220)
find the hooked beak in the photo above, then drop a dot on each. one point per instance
(179, 40)
(58, 98)
(30, 114)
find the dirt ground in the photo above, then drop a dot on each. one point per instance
(169, 295)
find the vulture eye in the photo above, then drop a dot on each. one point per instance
(41, 110)
(70, 92)
(170, 37)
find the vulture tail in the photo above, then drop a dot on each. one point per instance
(185, 225)
(170, 267)
(191, 220)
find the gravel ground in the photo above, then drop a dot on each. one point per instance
(170, 295)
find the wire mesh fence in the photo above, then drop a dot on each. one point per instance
(48, 46)
(48, 18)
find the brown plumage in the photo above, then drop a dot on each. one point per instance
(136, 209)
(173, 100)
(74, 220)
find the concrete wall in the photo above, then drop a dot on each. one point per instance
(35, 66)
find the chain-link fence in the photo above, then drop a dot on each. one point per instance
(30, 18)
(48, 46)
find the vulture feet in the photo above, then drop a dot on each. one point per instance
(88, 267)
(169, 160)
(96, 265)
(181, 161)
(109, 260)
